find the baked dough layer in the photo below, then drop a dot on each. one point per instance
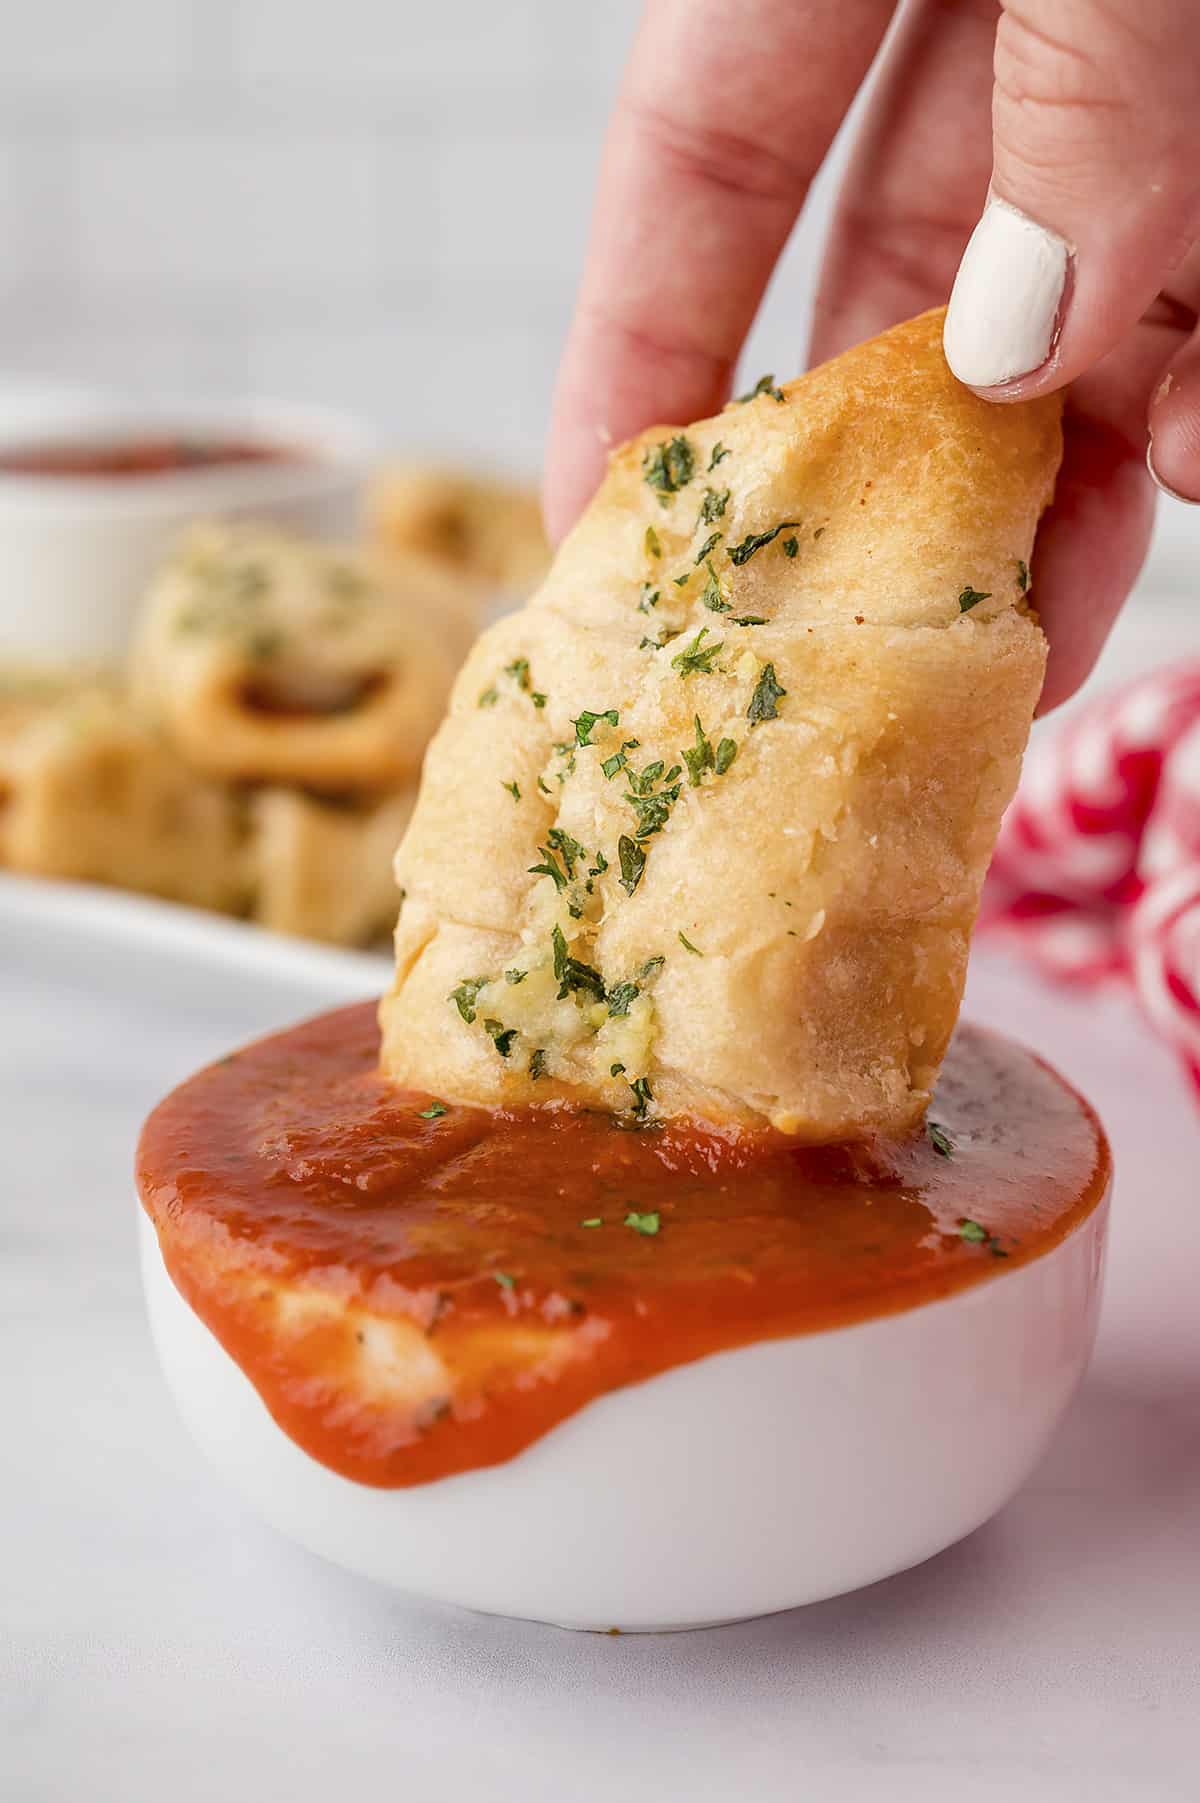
(705, 828)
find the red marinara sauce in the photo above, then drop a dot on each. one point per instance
(161, 455)
(415, 1293)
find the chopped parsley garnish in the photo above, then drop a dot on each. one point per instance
(549, 867)
(616, 1070)
(764, 385)
(726, 752)
(740, 554)
(682, 581)
(537, 698)
(502, 1037)
(642, 1096)
(465, 996)
(687, 945)
(621, 998)
(767, 694)
(571, 850)
(633, 863)
(544, 787)
(572, 973)
(971, 597)
(709, 546)
(668, 466)
(749, 620)
(697, 656)
(513, 789)
(975, 1235)
(515, 976)
(587, 719)
(939, 1139)
(519, 671)
(653, 547)
(791, 546)
(700, 758)
(434, 1112)
(649, 598)
(719, 454)
(653, 808)
(537, 1063)
(653, 644)
(504, 1279)
(712, 597)
(593, 1221)
(489, 697)
(713, 506)
(647, 1224)
(1022, 575)
(619, 759)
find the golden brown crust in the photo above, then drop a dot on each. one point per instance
(828, 877)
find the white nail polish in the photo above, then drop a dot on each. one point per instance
(1004, 308)
(1165, 487)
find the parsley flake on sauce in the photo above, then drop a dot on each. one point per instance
(940, 1140)
(669, 466)
(648, 1223)
(767, 694)
(593, 1221)
(505, 1279)
(697, 656)
(971, 597)
(740, 554)
(434, 1112)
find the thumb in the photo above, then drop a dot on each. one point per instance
(1095, 191)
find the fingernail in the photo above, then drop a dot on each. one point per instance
(1165, 487)
(1004, 310)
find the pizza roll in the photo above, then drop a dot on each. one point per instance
(488, 531)
(324, 871)
(89, 793)
(705, 829)
(268, 658)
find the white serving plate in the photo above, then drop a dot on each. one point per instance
(739, 1485)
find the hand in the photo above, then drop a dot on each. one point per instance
(1084, 267)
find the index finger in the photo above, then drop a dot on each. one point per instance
(714, 142)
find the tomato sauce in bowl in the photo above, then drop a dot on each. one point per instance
(158, 454)
(416, 1288)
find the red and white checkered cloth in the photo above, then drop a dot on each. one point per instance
(1097, 870)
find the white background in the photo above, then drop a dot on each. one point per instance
(372, 203)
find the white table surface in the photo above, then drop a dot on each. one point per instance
(157, 1642)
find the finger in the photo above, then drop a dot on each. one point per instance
(1173, 455)
(1095, 191)
(917, 178)
(716, 137)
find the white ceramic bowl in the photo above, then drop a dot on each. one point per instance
(76, 553)
(745, 1483)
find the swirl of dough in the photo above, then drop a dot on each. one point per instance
(265, 657)
(706, 826)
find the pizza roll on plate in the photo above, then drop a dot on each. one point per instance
(488, 531)
(324, 870)
(89, 793)
(706, 826)
(268, 658)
